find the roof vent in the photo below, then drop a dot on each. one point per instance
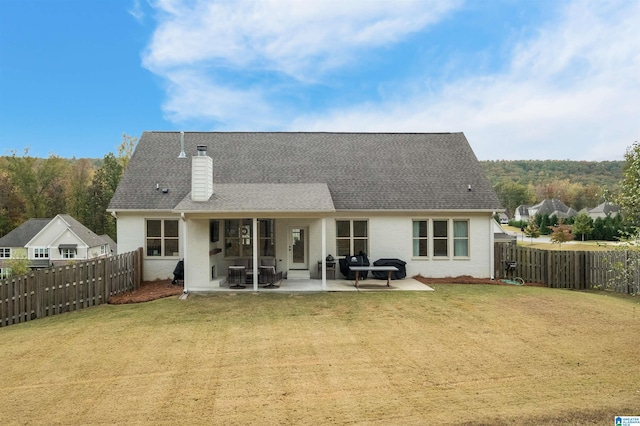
(182, 153)
(202, 150)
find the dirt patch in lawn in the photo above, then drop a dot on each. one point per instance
(466, 279)
(149, 290)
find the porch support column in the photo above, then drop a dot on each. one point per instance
(255, 254)
(184, 230)
(324, 254)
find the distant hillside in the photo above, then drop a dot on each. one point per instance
(606, 174)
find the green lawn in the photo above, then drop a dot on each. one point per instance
(464, 354)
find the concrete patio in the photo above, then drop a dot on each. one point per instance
(302, 285)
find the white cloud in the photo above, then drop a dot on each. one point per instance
(297, 40)
(571, 93)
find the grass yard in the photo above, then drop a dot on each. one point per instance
(464, 354)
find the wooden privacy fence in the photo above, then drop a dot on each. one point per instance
(618, 270)
(79, 285)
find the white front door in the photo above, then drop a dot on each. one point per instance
(298, 247)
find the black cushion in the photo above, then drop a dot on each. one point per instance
(395, 275)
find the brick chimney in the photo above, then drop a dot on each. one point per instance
(201, 175)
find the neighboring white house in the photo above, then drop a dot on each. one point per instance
(47, 242)
(549, 207)
(213, 197)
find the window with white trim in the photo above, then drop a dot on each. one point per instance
(461, 238)
(41, 253)
(420, 238)
(5, 273)
(162, 237)
(440, 238)
(68, 253)
(5, 253)
(352, 237)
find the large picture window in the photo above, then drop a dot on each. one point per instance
(420, 238)
(238, 238)
(352, 237)
(162, 237)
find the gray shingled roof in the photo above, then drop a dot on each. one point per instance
(89, 237)
(263, 197)
(21, 235)
(24, 233)
(363, 171)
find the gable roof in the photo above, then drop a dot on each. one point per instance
(362, 171)
(90, 238)
(20, 236)
(23, 234)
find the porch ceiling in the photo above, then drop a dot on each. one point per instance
(262, 197)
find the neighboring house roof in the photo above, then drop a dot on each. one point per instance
(20, 236)
(90, 238)
(362, 171)
(113, 247)
(604, 209)
(23, 234)
(551, 206)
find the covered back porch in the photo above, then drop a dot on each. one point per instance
(255, 253)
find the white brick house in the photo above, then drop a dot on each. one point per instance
(298, 197)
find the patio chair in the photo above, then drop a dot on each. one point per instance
(268, 273)
(237, 276)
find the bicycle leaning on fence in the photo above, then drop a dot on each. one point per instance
(510, 267)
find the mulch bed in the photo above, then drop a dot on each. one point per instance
(149, 290)
(466, 279)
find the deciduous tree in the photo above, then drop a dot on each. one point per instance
(582, 225)
(629, 197)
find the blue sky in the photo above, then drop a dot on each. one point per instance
(523, 79)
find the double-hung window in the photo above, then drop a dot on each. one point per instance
(68, 253)
(420, 238)
(41, 253)
(437, 238)
(440, 238)
(5, 253)
(352, 237)
(461, 238)
(162, 237)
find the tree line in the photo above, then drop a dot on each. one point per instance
(578, 184)
(33, 187)
(42, 188)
